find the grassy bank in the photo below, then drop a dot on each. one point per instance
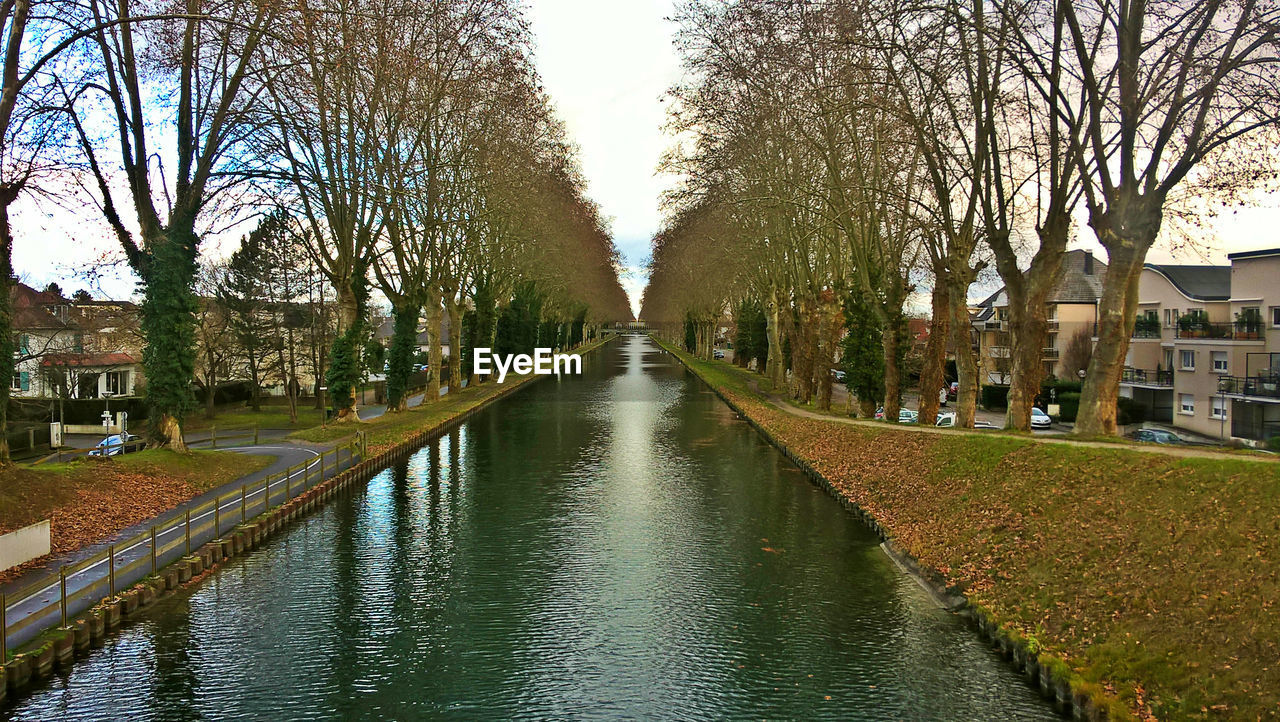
(1154, 577)
(92, 498)
(391, 428)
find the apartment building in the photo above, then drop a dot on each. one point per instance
(1205, 351)
(1072, 309)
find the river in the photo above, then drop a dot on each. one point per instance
(615, 545)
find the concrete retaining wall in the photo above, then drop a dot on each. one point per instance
(24, 544)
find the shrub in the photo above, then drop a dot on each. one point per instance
(1129, 411)
(995, 398)
(1068, 406)
(1274, 443)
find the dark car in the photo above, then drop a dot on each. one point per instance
(1157, 436)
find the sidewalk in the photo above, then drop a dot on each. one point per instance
(32, 600)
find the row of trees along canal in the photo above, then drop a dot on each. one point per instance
(838, 156)
(403, 146)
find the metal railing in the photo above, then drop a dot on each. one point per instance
(1219, 331)
(1261, 386)
(1147, 377)
(998, 351)
(35, 607)
(1049, 353)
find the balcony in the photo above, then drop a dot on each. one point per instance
(1217, 331)
(1051, 325)
(993, 326)
(1049, 353)
(1161, 378)
(1261, 387)
(998, 351)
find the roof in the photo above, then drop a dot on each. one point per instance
(29, 308)
(88, 359)
(387, 329)
(1254, 254)
(1076, 286)
(1202, 283)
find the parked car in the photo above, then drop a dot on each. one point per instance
(980, 424)
(717, 354)
(953, 390)
(838, 375)
(946, 420)
(1157, 436)
(1039, 419)
(114, 444)
(905, 416)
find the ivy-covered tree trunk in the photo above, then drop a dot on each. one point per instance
(8, 348)
(455, 345)
(400, 361)
(966, 360)
(486, 317)
(774, 363)
(169, 327)
(344, 360)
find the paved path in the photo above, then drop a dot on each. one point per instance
(781, 404)
(170, 538)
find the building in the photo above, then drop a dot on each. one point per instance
(1205, 352)
(1072, 309)
(75, 350)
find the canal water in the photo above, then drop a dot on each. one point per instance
(615, 545)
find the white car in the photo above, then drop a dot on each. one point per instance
(1039, 419)
(946, 420)
(114, 444)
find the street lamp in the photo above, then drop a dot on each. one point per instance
(106, 415)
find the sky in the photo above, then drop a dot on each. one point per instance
(606, 65)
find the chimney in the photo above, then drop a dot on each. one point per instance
(1088, 262)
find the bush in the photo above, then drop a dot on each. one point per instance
(995, 398)
(1274, 443)
(1129, 411)
(1068, 406)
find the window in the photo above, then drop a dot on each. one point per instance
(1187, 404)
(1168, 359)
(1170, 318)
(1275, 316)
(24, 344)
(1220, 362)
(1188, 360)
(118, 383)
(1219, 409)
(20, 381)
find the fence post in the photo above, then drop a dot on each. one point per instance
(287, 495)
(217, 517)
(213, 435)
(266, 495)
(189, 532)
(62, 584)
(255, 436)
(244, 494)
(111, 553)
(153, 551)
(4, 632)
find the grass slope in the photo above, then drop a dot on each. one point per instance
(1154, 577)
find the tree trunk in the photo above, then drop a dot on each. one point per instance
(8, 348)
(1116, 311)
(348, 319)
(400, 362)
(775, 367)
(168, 325)
(933, 374)
(434, 313)
(1027, 332)
(891, 342)
(966, 363)
(455, 345)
